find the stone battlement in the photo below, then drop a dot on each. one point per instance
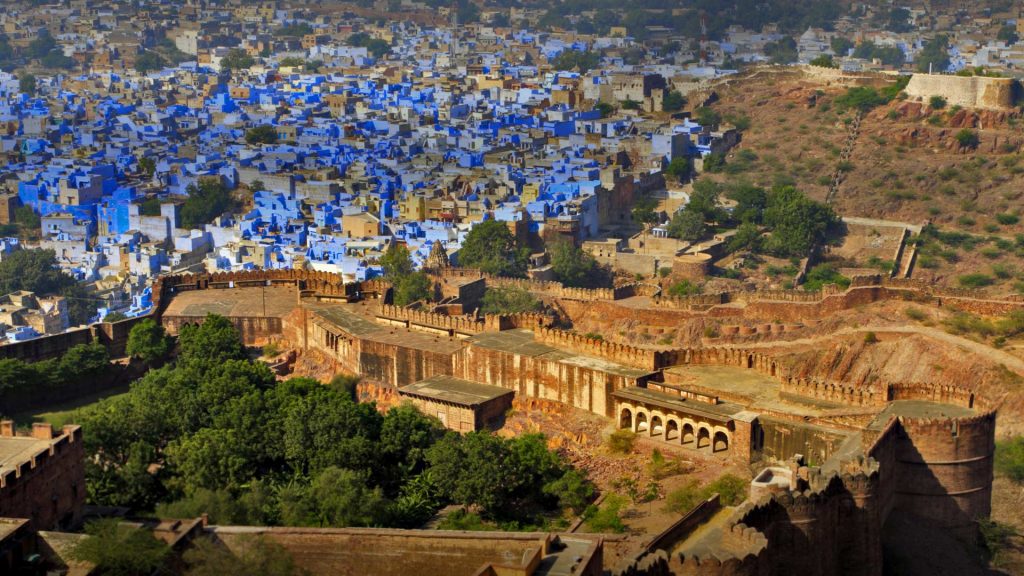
(624, 354)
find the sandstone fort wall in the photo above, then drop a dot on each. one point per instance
(965, 91)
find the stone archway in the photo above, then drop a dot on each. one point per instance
(703, 437)
(721, 442)
(641, 422)
(657, 426)
(689, 434)
(671, 430)
(626, 419)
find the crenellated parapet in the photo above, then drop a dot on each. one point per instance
(835, 392)
(460, 324)
(624, 354)
(944, 393)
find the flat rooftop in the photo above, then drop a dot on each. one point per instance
(18, 450)
(722, 412)
(355, 319)
(272, 301)
(455, 390)
(755, 390)
(521, 342)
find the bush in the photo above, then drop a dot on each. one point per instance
(684, 288)
(621, 441)
(975, 280)
(915, 314)
(1007, 219)
(937, 102)
(824, 274)
(967, 138)
(870, 338)
(1010, 458)
(607, 517)
(262, 134)
(731, 490)
(508, 300)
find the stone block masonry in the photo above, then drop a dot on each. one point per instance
(966, 91)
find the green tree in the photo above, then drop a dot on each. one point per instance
(147, 166)
(294, 30)
(577, 269)
(211, 458)
(899, 21)
(645, 210)
(114, 317)
(121, 550)
(750, 203)
(33, 270)
(343, 498)
(707, 116)
(205, 201)
(27, 84)
(211, 343)
(684, 288)
(508, 300)
(580, 61)
(57, 60)
(841, 46)
(262, 134)
(687, 225)
(934, 55)
(42, 45)
(27, 218)
(236, 59)
(397, 262)
(823, 61)
(490, 247)
(252, 556)
(1010, 458)
(606, 109)
(148, 341)
(672, 101)
(1008, 33)
(797, 222)
(824, 274)
(411, 288)
(573, 491)
(782, 51)
(967, 138)
(678, 169)
(148, 61)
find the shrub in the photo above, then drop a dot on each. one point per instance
(870, 338)
(621, 441)
(607, 517)
(731, 491)
(975, 280)
(967, 138)
(684, 288)
(1007, 219)
(937, 102)
(915, 314)
(823, 274)
(1010, 458)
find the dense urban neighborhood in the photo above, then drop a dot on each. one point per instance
(509, 287)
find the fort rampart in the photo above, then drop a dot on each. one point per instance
(49, 485)
(966, 91)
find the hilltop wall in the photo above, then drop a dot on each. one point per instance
(965, 91)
